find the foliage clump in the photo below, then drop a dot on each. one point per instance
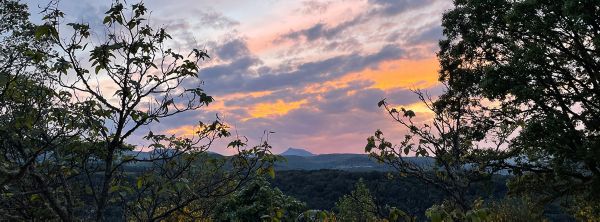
(259, 201)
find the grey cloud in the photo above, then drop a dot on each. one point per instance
(395, 7)
(215, 19)
(321, 30)
(393, 37)
(313, 7)
(350, 44)
(343, 91)
(189, 118)
(342, 102)
(368, 98)
(311, 33)
(239, 76)
(382, 8)
(362, 99)
(431, 34)
(325, 69)
(232, 71)
(233, 49)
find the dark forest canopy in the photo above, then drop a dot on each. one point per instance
(322, 188)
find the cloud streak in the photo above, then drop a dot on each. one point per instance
(243, 72)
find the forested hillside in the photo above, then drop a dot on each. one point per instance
(320, 189)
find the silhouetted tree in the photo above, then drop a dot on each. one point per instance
(538, 62)
(452, 139)
(521, 95)
(66, 122)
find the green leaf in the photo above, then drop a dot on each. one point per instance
(35, 197)
(434, 216)
(140, 182)
(106, 20)
(41, 31)
(271, 171)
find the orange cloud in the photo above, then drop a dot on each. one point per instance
(184, 131)
(408, 74)
(219, 104)
(246, 94)
(418, 107)
(412, 74)
(277, 108)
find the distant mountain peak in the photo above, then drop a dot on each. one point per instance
(296, 152)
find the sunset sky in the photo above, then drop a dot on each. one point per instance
(310, 71)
